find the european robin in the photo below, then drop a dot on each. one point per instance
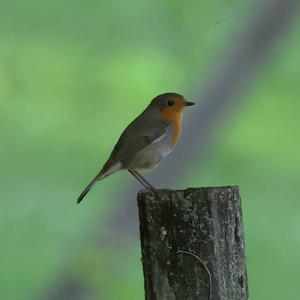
(148, 139)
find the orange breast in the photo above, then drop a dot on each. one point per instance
(174, 117)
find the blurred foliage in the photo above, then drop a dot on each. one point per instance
(72, 76)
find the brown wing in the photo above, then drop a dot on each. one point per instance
(139, 134)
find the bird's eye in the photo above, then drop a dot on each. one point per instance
(171, 103)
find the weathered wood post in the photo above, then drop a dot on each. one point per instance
(193, 244)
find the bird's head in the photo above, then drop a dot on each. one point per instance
(170, 103)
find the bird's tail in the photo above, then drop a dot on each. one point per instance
(87, 189)
(101, 175)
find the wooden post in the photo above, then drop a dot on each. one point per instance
(193, 244)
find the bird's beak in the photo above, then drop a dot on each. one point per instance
(187, 103)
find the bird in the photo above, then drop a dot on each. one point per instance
(146, 140)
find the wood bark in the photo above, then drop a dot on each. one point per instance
(193, 244)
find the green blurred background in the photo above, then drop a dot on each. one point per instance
(73, 74)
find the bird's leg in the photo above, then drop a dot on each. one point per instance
(146, 186)
(142, 180)
(139, 179)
